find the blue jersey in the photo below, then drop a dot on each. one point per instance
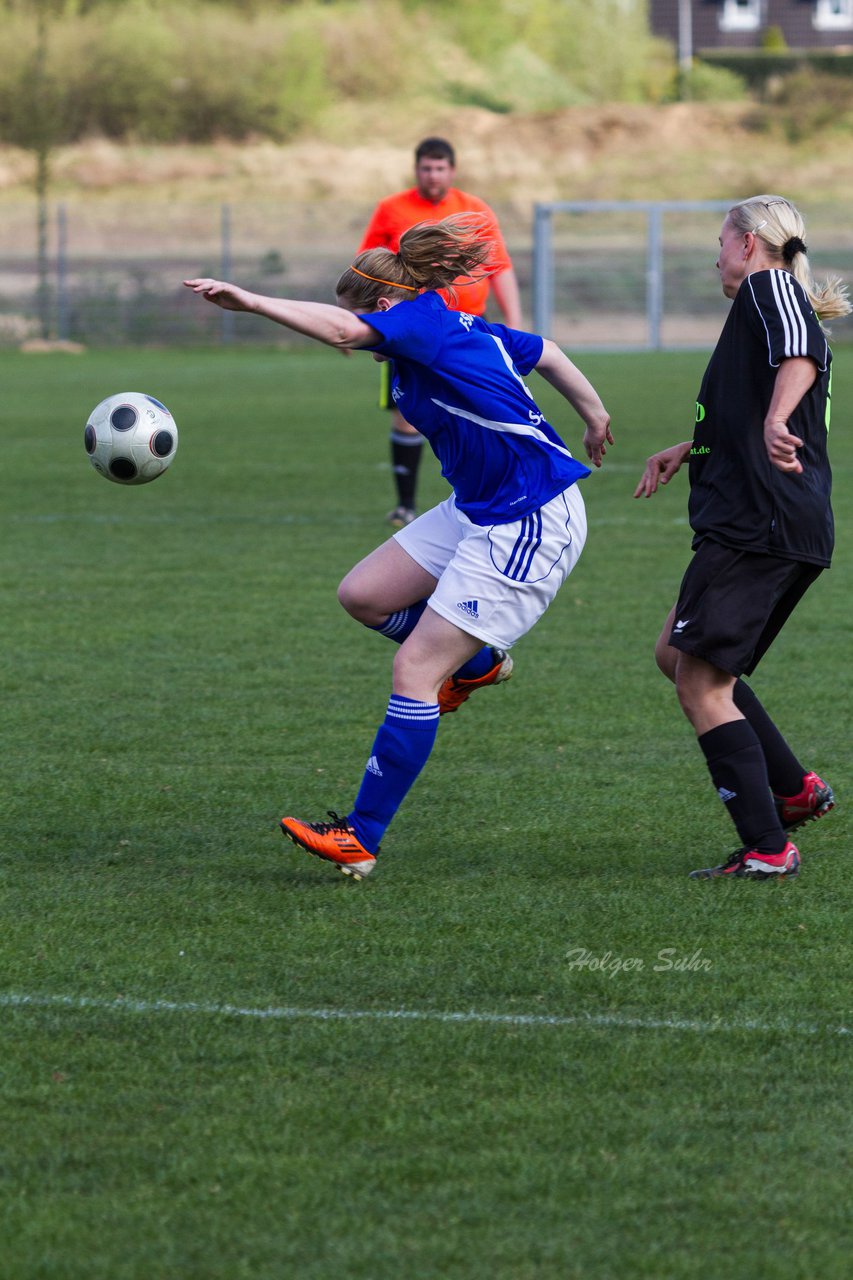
(460, 381)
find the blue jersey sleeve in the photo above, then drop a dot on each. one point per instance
(784, 315)
(409, 330)
(525, 349)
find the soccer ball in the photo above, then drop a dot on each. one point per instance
(130, 438)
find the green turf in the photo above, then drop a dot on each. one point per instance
(177, 673)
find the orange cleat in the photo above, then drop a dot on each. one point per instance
(334, 841)
(455, 691)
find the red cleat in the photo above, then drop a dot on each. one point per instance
(749, 864)
(812, 802)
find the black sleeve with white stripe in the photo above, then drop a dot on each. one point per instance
(786, 317)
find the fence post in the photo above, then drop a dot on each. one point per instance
(227, 331)
(543, 280)
(62, 309)
(654, 276)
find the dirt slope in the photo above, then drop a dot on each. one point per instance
(681, 151)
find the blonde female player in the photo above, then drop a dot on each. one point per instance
(760, 485)
(457, 587)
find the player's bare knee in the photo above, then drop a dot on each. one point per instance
(351, 597)
(667, 658)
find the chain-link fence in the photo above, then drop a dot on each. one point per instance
(606, 276)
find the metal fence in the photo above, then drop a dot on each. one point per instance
(642, 275)
(603, 276)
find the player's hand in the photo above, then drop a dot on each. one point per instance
(227, 296)
(782, 447)
(596, 438)
(660, 468)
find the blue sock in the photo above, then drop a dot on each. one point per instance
(400, 750)
(400, 625)
(477, 666)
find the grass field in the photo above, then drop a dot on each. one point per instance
(222, 1060)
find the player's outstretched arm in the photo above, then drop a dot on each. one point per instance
(556, 367)
(661, 467)
(332, 325)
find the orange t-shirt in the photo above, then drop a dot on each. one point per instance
(395, 214)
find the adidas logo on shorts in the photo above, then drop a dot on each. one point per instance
(469, 607)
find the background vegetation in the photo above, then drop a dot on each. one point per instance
(195, 69)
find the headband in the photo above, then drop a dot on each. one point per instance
(391, 284)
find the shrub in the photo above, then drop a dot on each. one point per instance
(715, 84)
(773, 40)
(167, 70)
(807, 103)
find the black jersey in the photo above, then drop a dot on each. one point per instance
(737, 497)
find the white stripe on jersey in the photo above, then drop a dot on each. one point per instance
(507, 359)
(510, 428)
(793, 321)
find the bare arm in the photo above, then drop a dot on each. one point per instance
(556, 368)
(332, 325)
(795, 377)
(661, 467)
(504, 285)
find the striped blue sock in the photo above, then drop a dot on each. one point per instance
(482, 661)
(398, 626)
(400, 750)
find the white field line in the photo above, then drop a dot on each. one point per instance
(21, 1000)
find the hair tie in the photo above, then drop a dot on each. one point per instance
(792, 247)
(390, 283)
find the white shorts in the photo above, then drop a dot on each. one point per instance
(495, 581)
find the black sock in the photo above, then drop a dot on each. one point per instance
(738, 770)
(405, 460)
(783, 768)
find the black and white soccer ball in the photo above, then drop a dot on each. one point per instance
(131, 438)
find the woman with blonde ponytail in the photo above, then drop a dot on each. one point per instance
(760, 511)
(460, 584)
(779, 227)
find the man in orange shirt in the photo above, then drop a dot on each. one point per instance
(432, 198)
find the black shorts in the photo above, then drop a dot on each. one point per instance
(733, 604)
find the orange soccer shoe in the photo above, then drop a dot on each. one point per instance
(334, 841)
(455, 691)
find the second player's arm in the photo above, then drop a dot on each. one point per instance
(556, 367)
(795, 377)
(320, 320)
(661, 467)
(504, 285)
